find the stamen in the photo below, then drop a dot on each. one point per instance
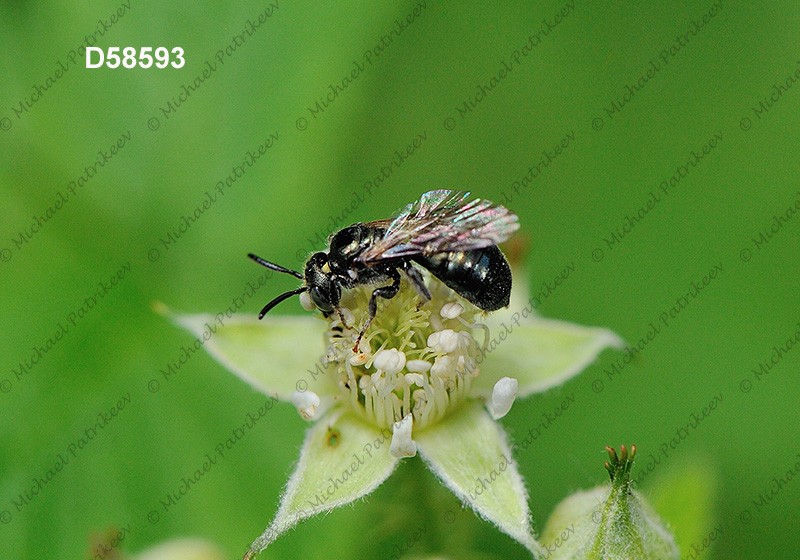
(415, 379)
(402, 445)
(347, 315)
(443, 341)
(306, 403)
(503, 395)
(390, 361)
(451, 310)
(486, 333)
(441, 367)
(408, 364)
(420, 366)
(358, 359)
(362, 356)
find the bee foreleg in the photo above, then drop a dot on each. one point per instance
(342, 319)
(386, 292)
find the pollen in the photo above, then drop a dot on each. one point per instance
(416, 361)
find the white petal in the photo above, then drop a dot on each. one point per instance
(402, 444)
(503, 395)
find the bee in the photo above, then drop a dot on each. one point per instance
(453, 238)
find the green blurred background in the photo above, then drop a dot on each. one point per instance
(712, 83)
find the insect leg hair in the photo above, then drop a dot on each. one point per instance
(386, 292)
(418, 282)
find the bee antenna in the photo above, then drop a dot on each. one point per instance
(274, 266)
(279, 299)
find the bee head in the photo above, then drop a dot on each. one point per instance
(322, 286)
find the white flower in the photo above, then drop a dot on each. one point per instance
(417, 384)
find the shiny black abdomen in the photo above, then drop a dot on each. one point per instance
(481, 276)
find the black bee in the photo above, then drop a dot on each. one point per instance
(454, 239)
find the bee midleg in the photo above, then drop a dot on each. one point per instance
(417, 281)
(386, 292)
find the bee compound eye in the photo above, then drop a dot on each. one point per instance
(321, 300)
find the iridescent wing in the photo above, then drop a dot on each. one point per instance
(442, 222)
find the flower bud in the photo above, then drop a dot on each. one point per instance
(608, 522)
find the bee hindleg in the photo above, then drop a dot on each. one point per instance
(419, 283)
(386, 292)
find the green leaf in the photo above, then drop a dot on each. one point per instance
(469, 453)
(342, 459)
(539, 353)
(276, 355)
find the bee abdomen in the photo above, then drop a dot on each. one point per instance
(482, 276)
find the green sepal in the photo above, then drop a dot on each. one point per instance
(469, 454)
